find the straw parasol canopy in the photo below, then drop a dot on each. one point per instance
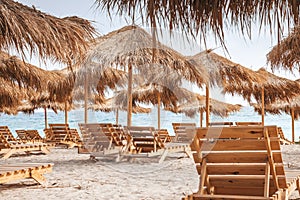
(57, 83)
(26, 28)
(133, 48)
(231, 77)
(205, 16)
(286, 54)
(10, 96)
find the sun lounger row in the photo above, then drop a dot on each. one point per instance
(241, 163)
(108, 139)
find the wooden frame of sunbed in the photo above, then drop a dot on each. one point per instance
(220, 124)
(12, 172)
(283, 139)
(147, 143)
(61, 134)
(241, 163)
(98, 140)
(184, 132)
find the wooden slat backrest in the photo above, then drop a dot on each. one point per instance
(7, 134)
(4, 144)
(34, 135)
(164, 136)
(96, 136)
(184, 132)
(144, 138)
(22, 135)
(60, 132)
(235, 160)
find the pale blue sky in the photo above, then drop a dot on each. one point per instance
(249, 53)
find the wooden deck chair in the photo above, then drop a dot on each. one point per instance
(283, 139)
(98, 140)
(12, 172)
(220, 124)
(8, 148)
(34, 135)
(241, 163)
(147, 143)
(22, 136)
(164, 136)
(248, 123)
(184, 132)
(62, 135)
(7, 134)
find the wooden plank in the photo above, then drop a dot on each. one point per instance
(241, 157)
(220, 124)
(238, 168)
(230, 132)
(230, 145)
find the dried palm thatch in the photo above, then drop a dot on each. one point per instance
(149, 93)
(110, 105)
(133, 46)
(224, 72)
(205, 16)
(275, 88)
(10, 96)
(57, 83)
(286, 54)
(25, 28)
(218, 108)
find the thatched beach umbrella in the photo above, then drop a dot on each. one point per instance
(286, 54)
(274, 88)
(25, 28)
(205, 16)
(232, 77)
(290, 106)
(132, 47)
(191, 108)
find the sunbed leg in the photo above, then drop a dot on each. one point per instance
(45, 150)
(298, 184)
(188, 152)
(163, 156)
(8, 154)
(38, 178)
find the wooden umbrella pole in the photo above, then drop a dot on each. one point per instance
(129, 96)
(293, 124)
(263, 106)
(207, 105)
(201, 118)
(117, 116)
(66, 113)
(85, 99)
(46, 117)
(158, 111)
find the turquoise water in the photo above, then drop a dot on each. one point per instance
(36, 120)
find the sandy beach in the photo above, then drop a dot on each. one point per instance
(75, 176)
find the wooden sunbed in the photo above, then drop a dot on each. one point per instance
(34, 135)
(5, 131)
(61, 134)
(12, 172)
(184, 132)
(22, 135)
(242, 162)
(98, 140)
(7, 148)
(147, 143)
(283, 139)
(164, 135)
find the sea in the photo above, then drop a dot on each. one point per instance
(37, 119)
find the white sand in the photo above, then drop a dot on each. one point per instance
(75, 176)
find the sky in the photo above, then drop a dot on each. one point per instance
(249, 53)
